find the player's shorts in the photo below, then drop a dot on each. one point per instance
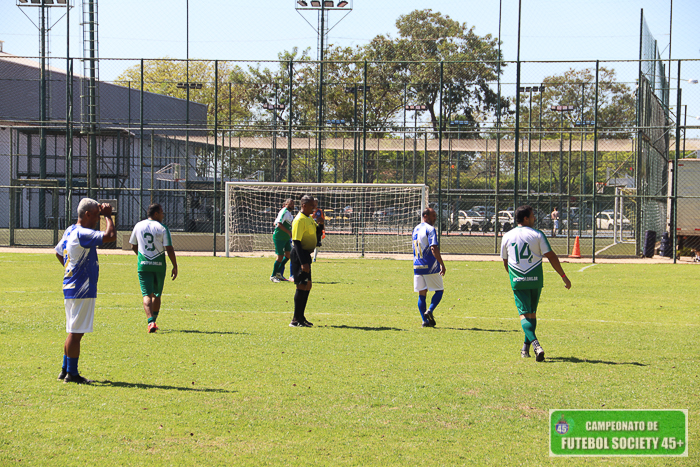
(282, 243)
(526, 300)
(80, 313)
(431, 282)
(151, 283)
(300, 277)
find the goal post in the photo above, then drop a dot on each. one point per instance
(360, 217)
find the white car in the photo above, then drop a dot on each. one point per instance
(506, 221)
(605, 221)
(471, 221)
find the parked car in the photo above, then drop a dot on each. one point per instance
(445, 215)
(605, 221)
(385, 215)
(506, 221)
(486, 211)
(471, 221)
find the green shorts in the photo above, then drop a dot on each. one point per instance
(282, 243)
(526, 300)
(151, 282)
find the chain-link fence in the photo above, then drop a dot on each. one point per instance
(584, 143)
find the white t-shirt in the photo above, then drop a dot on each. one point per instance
(524, 249)
(151, 237)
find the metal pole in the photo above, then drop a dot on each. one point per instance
(152, 169)
(289, 136)
(141, 146)
(319, 174)
(674, 200)
(43, 118)
(415, 142)
(215, 217)
(595, 155)
(440, 210)
(516, 163)
(364, 130)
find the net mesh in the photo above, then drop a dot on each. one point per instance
(359, 218)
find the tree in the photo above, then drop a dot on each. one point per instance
(163, 75)
(471, 65)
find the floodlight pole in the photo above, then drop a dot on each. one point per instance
(516, 171)
(319, 173)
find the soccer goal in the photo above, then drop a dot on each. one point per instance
(360, 218)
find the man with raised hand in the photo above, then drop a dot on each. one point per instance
(428, 267)
(77, 253)
(282, 237)
(150, 240)
(522, 250)
(304, 239)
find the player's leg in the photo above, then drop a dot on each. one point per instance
(420, 286)
(79, 320)
(285, 258)
(526, 301)
(300, 294)
(279, 251)
(159, 283)
(319, 234)
(435, 285)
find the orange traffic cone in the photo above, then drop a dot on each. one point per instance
(577, 249)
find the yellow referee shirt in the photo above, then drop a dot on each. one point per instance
(304, 230)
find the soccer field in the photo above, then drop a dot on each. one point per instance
(227, 382)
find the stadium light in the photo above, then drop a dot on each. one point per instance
(273, 106)
(342, 4)
(302, 3)
(416, 107)
(316, 3)
(693, 81)
(190, 85)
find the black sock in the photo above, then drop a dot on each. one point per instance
(300, 298)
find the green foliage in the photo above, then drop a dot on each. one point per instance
(227, 382)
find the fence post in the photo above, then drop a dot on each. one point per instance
(289, 137)
(595, 157)
(440, 210)
(674, 188)
(216, 153)
(364, 125)
(141, 146)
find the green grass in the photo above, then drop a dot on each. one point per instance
(227, 382)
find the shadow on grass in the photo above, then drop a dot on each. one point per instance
(121, 384)
(366, 328)
(479, 329)
(196, 331)
(583, 360)
(325, 283)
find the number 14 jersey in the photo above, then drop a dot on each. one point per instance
(524, 248)
(151, 237)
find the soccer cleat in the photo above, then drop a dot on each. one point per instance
(280, 277)
(430, 318)
(524, 353)
(291, 279)
(428, 324)
(62, 374)
(152, 327)
(77, 379)
(539, 351)
(274, 279)
(308, 324)
(296, 324)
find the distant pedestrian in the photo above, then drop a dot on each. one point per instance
(555, 222)
(428, 267)
(77, 254)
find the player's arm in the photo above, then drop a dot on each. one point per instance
(505, 264)
(171, 254)
(435, 249)
(110, 232)
(554, 261)
(135, 248)
(60, 259)
(283, 228)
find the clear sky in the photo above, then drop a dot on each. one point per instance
(258, 30)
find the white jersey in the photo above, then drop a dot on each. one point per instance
(524, 249)
(151, 237)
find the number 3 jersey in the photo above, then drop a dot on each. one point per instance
(424, 262)
(524, 248)
(151, 237)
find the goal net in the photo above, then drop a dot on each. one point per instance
(360, 218)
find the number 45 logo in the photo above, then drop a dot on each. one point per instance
(524, 252)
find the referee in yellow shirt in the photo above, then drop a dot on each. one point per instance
(304, 240)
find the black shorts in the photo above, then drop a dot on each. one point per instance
(300, 277)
